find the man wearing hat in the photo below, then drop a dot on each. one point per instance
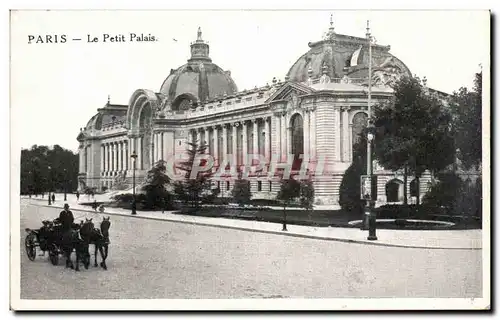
(66, 218)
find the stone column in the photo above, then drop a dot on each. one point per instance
(306, 134)
(117, 153)
(117, 156)
(216, 145)
(206, 138)
(288, 130)
(105, 164)
(111, 156)
(164, 150)
(312, 132)
(123, 163)
(190, 136)
(255, 124)
(159, 146)
(139, 153)
(283, 137)
(345, 139)
(124, 155)
(235, 144)
(131, 149)
(224, 142)
(338, 151)
(278, 135)
(267, 147)
(101, 167)
(244, 151)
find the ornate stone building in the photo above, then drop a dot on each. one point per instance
(318, 111)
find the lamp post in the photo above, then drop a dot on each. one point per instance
(49, 180)
(65, 184)
(134, 157)
(370, 213)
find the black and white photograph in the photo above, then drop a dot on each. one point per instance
(250, 160)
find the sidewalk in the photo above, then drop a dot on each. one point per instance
(429, 239)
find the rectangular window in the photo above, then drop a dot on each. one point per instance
(227, 185)
(270, 186)
(259, 186)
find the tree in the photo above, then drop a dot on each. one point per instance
(195, 189)
(36, 177)
(467, 108)
(413, 132)
(350, 188)
(289, 190)
(306, 196)
(157, 196)
(241, 191)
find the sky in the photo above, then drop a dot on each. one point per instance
(57, 87)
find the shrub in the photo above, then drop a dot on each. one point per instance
(349, 191)
(444, 192)
(458, 197)
(241, 192)
(306, 197)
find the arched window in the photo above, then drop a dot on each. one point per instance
(184, 102)
(359, 122)
(297, 139)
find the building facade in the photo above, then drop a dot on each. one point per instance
(317, 112)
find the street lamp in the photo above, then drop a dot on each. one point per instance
(49, 184)
(370, 212)
(65, 184)
(134, 158)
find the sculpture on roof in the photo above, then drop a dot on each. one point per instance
(199, 34)
(387, 73)
(324, 78)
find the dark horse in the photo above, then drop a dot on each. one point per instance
(78, 240)
(100, 239)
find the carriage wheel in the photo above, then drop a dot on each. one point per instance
(54, 255)
(30, 246)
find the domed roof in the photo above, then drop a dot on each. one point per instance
(339, 55)
(199, 79)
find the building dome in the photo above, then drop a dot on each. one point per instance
(197, 81)
(339, 55)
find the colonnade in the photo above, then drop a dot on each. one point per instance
(237, 139)
(114, 157)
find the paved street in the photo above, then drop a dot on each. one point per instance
(160, 259)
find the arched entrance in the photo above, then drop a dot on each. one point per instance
(146, 128)
(359, 122)
(297, 140)
(413, 188)
(394, 190)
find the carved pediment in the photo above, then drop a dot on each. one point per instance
(290, 91)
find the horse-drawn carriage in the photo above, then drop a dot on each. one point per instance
(51, 238)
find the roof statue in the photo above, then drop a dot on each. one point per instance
(324, 78)
(199, 35)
